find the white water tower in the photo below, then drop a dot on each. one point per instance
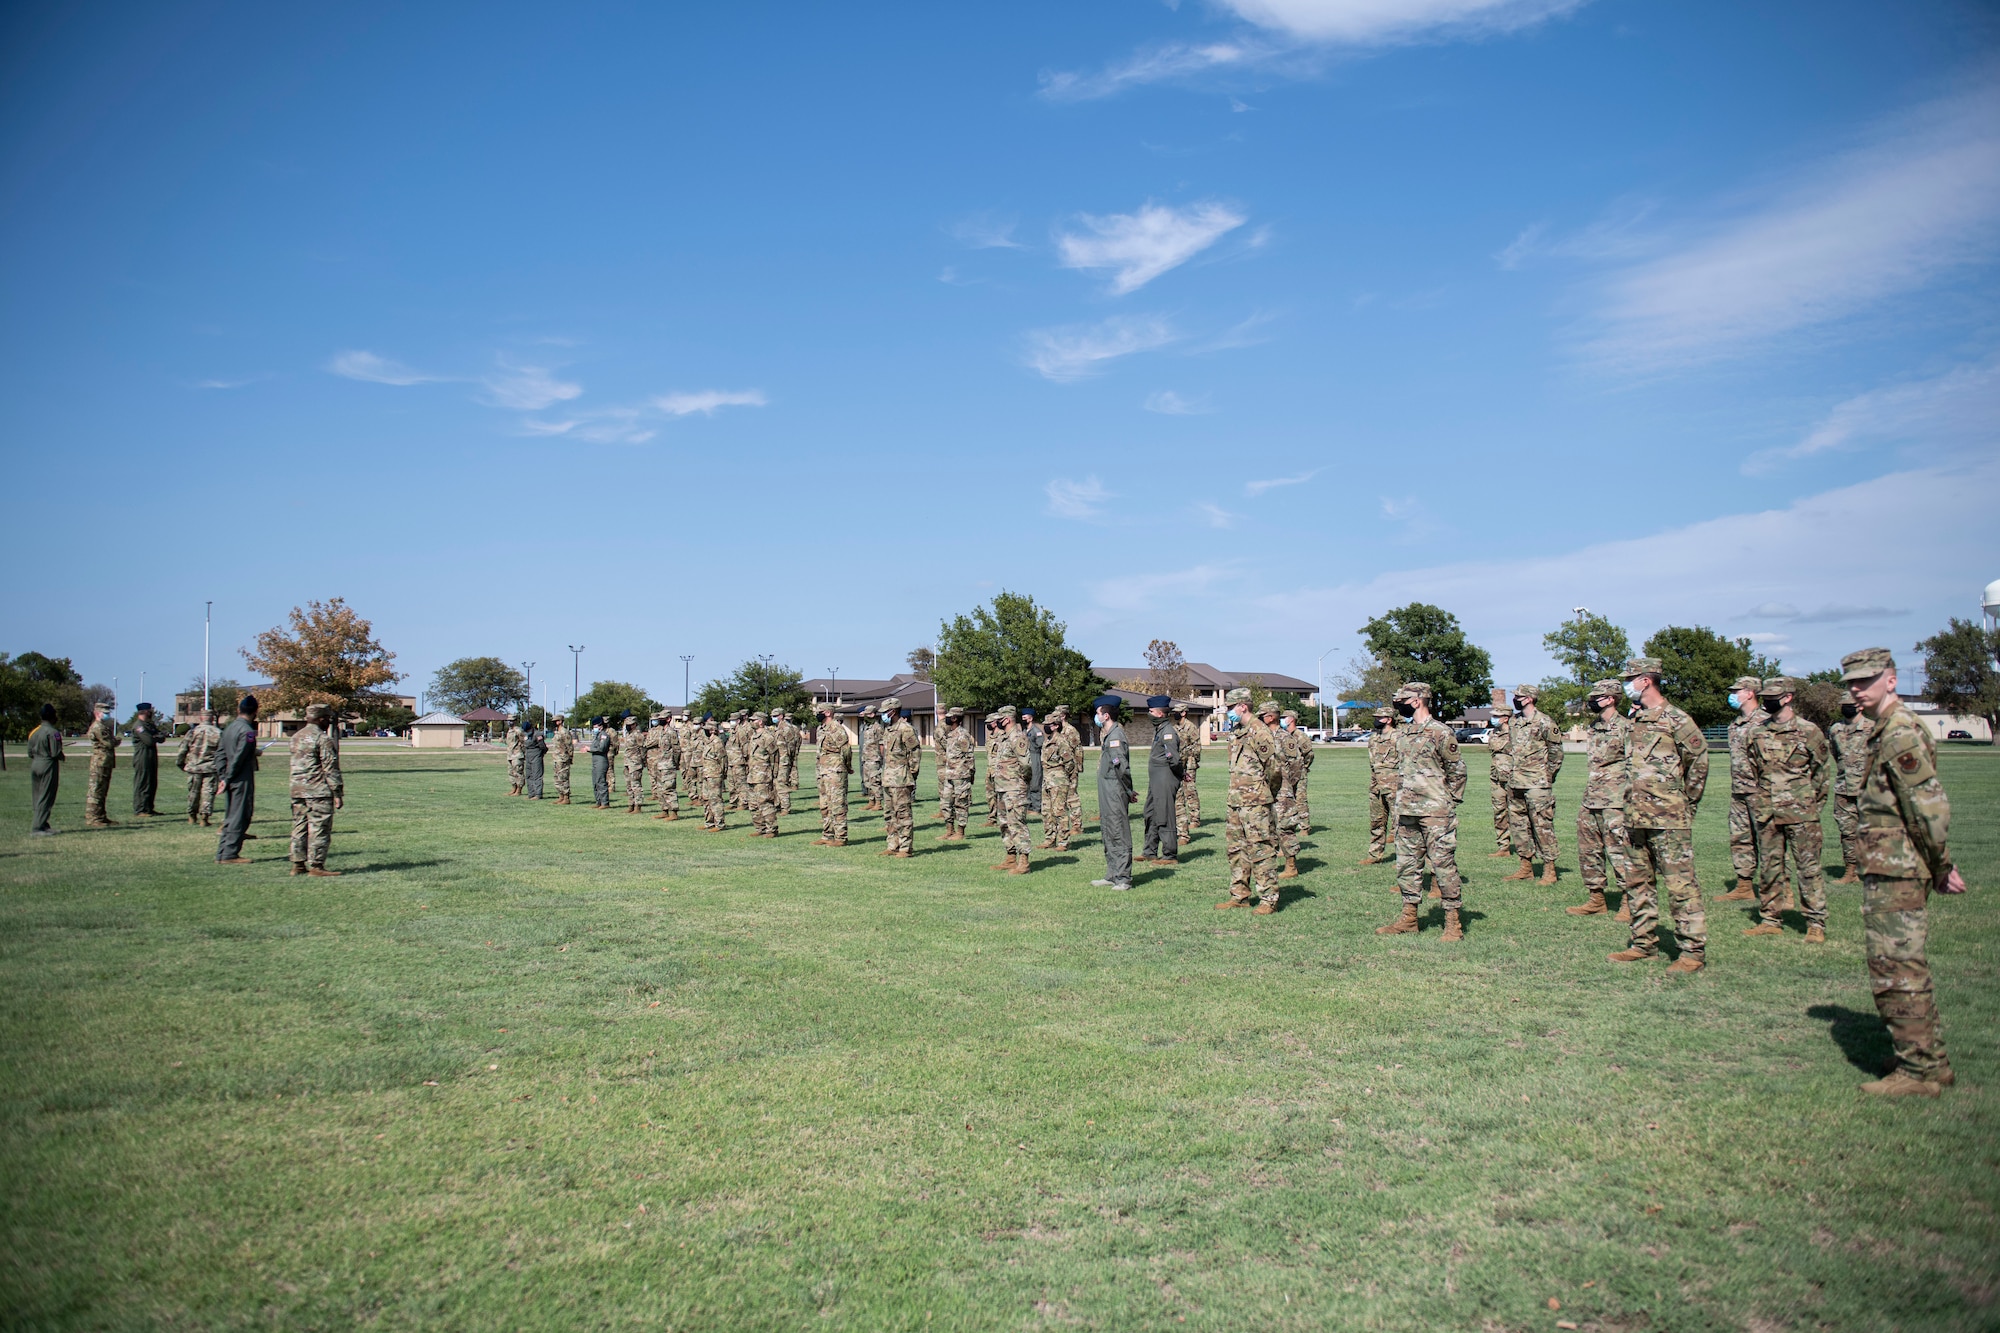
(1989, 603)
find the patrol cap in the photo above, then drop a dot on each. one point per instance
(1866, 664)
(1508, 712)
(1239, 695)
(1604, 689)
(1158, 700)
(1750, 683)
(1291, 713)
(1526, 691)
(1414, 689)
(1006, 712)
(1267, 708)
(1059, 711)
(777, 713)
(954, 711)
(756, 717)
(889, 705)
(1642, 666)
(1777, 685)
(1181, 709)
(1114, 703)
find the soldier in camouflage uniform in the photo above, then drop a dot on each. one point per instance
(666, 749)
(992, 749)
(1073, 746)
(1499, 737)
(735, 742)
(103, 736)
(317, 792)
(957, 757)
(1600, 819)
(763, 761)
(1905, 857)
(516, 762)
(1849, 739)
(714, 768)
(198, 760)
(1062, 770)
(871, 762)
(1743, 789)
(1251, 835)
(1382, 780)
(636, 752)
(1012, 766)
(1294, 807)
(902, 763)
(1793, 769)
(1187, 801)
(790, 739)
(835, 760)
(1430, 785)
(1666, 767)
(1534, 746)
(564, 746)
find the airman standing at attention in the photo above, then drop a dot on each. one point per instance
(1187, 800)
(1600, 817)
(834, 762)
(1793, 767)
(1031, 729)
(790, 739)
(1302, 801)
(1743, 789)
(103, 735)
(1905, 826)
(635, 747)
(1072, 746)
(956, 761)
(1430, 784)
(564, 746)
(667, 767)
(1536, 747)
(735, 747)
(45, 759)
(236, 766)
(600, 745)
(992, 758)
(763, 761)
(1161, 843)
(1499, 745)
(1062, 768)
(198, 760)
(1284, 730)
(902, 762)
(1849, 739)
(534, 750)
(1666, 767)
(1251, 836)
(145, 762)
(1114, 795)
(317, 791)
(516, 764)
(1012, 768)
(871, 762)
(1382, 781)
(714, 768)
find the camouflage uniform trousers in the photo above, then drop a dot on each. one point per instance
(899, 819)
(667, 789)
(562, 777)
(1847, 818)
(787, 781)
(1304, 806)
(1657, 855)
(992, 800)
(1742, 838)
(1286, 817)
(1381, 819)
(1075, 807)
(714, 815)
(312, 830)
(1427, 842)
(762, 798)
(1803, 843)
(1896, 926)
(517, 770)
(739, 783)
(93, 795)
(1251, 839)
(1015, 840)
(871, 780)
(1058, 794)
(1187, 809)
(954, 801)
(202, 790)
(1503, 840)
(1601, 845)
(635, 783)
(833, 807)
(1531, 820)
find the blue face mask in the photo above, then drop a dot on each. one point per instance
(1734, 702)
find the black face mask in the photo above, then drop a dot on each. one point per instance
(1407, 710)
(1848, 711)
(1772, 706)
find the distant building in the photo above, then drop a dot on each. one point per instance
(272, 723)
(1941, 724)
(438, 731)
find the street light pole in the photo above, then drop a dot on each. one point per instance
(1322, 689)
(764, 684)
(575, 655)
(833, 675)
(529, 702)
(207, 615)
(687, 698)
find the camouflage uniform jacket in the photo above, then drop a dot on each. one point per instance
(902, 755)
(198, 748)
(1500, 744)
(1297, 753)
(790, 739)
(1255, 771)
(871, 742)
(1604, 788)
(1905, 815)
(1666, 761)
(763, 755)
(836, 749)
(666, 747)
(1382, 761)
(315, 764)
(516, 738)
(1072, 750)
(104, 741)
(1536, 746)
(1793, 768)
(1742, 782)
(714, 754)
(637, 743)
(1430, 774)
(735, 744)
(1013, 763)
(957, 757)
(1190, 732)
(564, 745)
(1849, 739)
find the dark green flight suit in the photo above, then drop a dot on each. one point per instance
(600, 765)
(45, 756)
(533, 747)
(145, 765)
(1163, 789)
(1114, 796)
(236, 768)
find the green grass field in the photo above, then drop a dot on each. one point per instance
(529, 1067)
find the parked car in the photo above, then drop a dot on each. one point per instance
(1349, 737)
(1958, 734)
(1472, 736)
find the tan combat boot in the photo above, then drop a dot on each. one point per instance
(1765, 928)
(1527, 871)
(1263, 909)
(1629, 956)
(1406, 924)
(1902, 1083)
(1007, 864)
(321, 872)
(298, 868)
(1291, 870)
(1852, 876)
(1687, 962)
(1592, 906)
(1548, 873)
(1371, 860)
(1815, 934)
(1742, 893)
(1624, 909)
(1225, 905)
(1452, 930)
(1020, 865)
(1500, 855)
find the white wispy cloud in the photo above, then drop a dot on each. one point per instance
(986, 231)
(708, 401)
(363, 365)
(227, 383)
(527, 388)
(1168, 403)
(1957, 409)
(1832, 613)
(1077, 351)
(1217, 516)
(610, 425)
(1141, 245)
(1919, 199)
(1160, 63)
(1255, 488)
(1136, 592)
(1076, 499)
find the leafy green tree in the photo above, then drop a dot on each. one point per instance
(1590, 646)
(1425, 642)
(388, 717)
(1960, 674)
(1365, 681)
(224, 693)
(477, 682)
(1698, 666)
(31, 680)
(609, 698)
(1012, 652)
(1818, 702)
(754, 688)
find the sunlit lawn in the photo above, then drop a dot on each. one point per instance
(535, 1067)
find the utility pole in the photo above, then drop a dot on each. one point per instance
(764, 686)
(575, 655)
(206, 616)
(1322, 690)
(686, 676)
(529, 701)
(833, 674)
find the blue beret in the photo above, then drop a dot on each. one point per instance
(1159, 701)
(1111, 701)
(1027, 710)
(904, 713)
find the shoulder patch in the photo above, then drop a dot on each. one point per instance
(1908, 761)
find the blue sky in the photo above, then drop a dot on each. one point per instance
(793, 329)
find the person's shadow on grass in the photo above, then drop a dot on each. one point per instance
(1291, 894)
(1862, 1037)
(381, 866)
